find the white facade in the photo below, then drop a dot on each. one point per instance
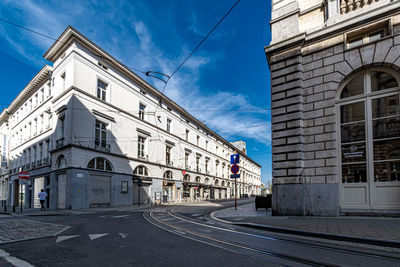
(109, 135)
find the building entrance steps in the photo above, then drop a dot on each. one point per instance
(380, 231)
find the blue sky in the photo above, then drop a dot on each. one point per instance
(225, 83)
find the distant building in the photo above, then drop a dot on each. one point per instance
(240, 145)
(335, 106)
(92, 133)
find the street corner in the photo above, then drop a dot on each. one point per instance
(13, 230)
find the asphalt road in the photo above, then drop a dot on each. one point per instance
(136, 239)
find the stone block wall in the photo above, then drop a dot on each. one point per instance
(304, 84)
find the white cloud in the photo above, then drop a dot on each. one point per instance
(134, 45)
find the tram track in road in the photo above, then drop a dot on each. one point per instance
(268, 249)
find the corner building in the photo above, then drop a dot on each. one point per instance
(335, 106)
(92, 133)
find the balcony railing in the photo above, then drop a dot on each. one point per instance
(143, 156)
(33, 164)
(60, 142)
(101, 146)
(39, 163)
(350, 5)
(170, 163)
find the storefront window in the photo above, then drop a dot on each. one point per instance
(382, 138)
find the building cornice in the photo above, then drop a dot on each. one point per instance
(36, 82)
(335, 29)
(71, 34)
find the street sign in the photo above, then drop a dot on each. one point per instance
(23, 175)
(235, 168)
(234, 176)
(25, 181)
(235, 159)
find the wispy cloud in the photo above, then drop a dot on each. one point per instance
(130, 39)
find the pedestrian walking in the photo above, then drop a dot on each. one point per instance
(42, 197)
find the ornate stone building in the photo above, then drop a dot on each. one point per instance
(335, 106)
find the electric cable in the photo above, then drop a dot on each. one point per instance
(57, 40)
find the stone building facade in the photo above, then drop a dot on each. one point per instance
(335, 106)
(90, 132)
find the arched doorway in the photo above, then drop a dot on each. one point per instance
(368, 145)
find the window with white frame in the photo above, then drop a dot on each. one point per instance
(369, 109)
(63, 81)
(187, 135)
(100, 164)
(142, 109)
(187, 154)
(101, 134)
(168, 155)
(141, 170)
(169, 125)
(101, 90)
(141, 146)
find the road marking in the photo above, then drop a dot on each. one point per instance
(121, 216)
(95, 236)
(123, 235)
(65, 237)
(13, 260)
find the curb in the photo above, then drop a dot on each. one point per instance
(337, 237)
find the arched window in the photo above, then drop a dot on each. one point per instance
(206, 181)
(168, 175)
(223, 183)
(61, 162)
(186, 178)
(100, 164)
(369, 133)
(141, 170)
(198, 179)
(216, 182)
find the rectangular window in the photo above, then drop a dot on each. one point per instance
(41, 123)
(101, 90)
(101, 134)
(63, 81)
(48, 89)
(142, 109)
(187, 160)
(187, 135)
(36, 99)
(206, 144)
(42, 95)
(198, 163)
(141, 147)
(40, 151)
(168, 155)
(34, 127)
(168, 125)
(197, 140)
(207, 162)
(48, 150)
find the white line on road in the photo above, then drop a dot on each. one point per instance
(95, 236)
(121, 216)
(123, 235)
(65, 237)
(13, 260)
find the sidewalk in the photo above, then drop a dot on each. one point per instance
(381, 231)
(38, 212)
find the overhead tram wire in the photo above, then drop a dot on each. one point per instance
(57, 40)
(169, 77)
